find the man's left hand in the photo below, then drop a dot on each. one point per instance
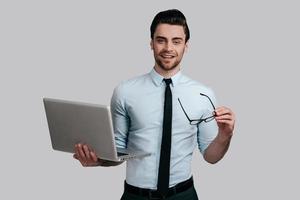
(225, 119)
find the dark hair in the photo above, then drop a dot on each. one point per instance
(173, 17)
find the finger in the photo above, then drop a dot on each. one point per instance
(77, 152)
(223, 111)
(90, 149)
(224, 117)
(225, 122)
(75, 156)
(81, 153)
(94, 156)
(86, 152)
(78, 156)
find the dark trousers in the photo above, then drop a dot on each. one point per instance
(189, 194)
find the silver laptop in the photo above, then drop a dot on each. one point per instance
(72, 122)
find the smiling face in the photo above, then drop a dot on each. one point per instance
(168, 47)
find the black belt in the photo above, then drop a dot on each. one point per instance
(153, 194)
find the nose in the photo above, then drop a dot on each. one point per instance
(169, 46)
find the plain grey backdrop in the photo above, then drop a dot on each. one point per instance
(247, 51)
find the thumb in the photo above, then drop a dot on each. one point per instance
(75, 156)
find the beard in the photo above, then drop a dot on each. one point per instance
(166, 67)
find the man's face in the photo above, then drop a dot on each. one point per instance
(168, 46)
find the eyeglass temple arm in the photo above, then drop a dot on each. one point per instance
(209, 100)
(184, 110)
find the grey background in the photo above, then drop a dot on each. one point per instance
(247, 51)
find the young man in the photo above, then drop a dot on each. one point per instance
(166, 114)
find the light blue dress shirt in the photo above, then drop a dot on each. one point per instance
(137, 107)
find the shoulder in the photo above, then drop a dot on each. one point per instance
(129, 85)
(194, 85)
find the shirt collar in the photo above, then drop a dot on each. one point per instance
(158, 79)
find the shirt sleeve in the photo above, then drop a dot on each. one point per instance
(120, 117)
(207, 131)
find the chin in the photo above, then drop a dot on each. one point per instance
(168, 68)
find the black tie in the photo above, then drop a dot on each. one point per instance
(164, 163)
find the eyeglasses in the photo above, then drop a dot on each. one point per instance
(198, 121)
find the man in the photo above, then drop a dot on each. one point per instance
(166, 114)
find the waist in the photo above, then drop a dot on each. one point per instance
(178, 188)
(180, 170)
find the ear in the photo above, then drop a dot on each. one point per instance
(186, 47)
(151, 44)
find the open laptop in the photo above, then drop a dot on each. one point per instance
(72, 122)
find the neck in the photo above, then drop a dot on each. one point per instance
(166, 73)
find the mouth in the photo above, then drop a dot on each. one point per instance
(167, 56)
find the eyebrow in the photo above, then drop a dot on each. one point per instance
(175, 38)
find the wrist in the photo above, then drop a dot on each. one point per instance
(223, 138)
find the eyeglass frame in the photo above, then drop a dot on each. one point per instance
(198, 121)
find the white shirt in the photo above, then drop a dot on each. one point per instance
(137, 107)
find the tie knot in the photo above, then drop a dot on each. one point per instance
(168, 81)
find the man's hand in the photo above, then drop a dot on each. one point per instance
(225, 119)
(86, 155)
(218, 147)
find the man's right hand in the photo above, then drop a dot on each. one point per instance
(86, 155)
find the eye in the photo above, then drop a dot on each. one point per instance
(176, 42)
(160, 41)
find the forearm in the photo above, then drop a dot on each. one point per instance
(217, 149)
